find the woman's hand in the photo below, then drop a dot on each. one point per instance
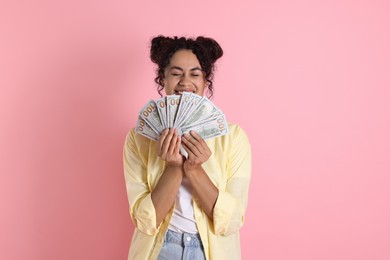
(169, 147)
(197, 149)
(198, 153)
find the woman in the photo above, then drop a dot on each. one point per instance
(187, 208)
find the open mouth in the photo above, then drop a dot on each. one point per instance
(181, 92)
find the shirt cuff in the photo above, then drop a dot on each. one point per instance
(227, 214)
(145, 216)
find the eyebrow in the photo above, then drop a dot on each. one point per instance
(178, 68)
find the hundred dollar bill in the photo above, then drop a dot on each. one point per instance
(162, 110)
(194, 102)
(208, 119)
(150, 114)
(216, 127)
(144, 129)
(184, 103)
(173, 102)
(204, 110)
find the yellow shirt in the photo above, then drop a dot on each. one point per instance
(229, 168)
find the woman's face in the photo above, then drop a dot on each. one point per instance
(184, 73)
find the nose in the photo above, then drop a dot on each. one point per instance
(184, 80)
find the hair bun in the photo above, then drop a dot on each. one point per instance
(159, 45)
(211, 46)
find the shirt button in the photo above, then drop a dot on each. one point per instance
(188, 239)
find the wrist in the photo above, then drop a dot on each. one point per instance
(192, 170)
(174, 166)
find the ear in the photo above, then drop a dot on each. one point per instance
(206, 84)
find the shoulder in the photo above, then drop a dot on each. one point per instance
(237, 132)
(136, 141)
(236, 139)
(130, 137)
(236, 146)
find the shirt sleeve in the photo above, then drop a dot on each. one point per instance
(229, 210)
(142, 209)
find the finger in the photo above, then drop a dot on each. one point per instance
(199, 139)
(194, 142)
(163, 135)
(162, 139)
(190, 139)
(202, 142)
(173, 142)
(177, 145)
(167, 141)
(190, 143)
(191, 155)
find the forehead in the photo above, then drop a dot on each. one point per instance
(184, 59)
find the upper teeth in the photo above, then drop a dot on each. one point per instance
(181, 92)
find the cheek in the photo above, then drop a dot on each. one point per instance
(202, 83)
(169, 86)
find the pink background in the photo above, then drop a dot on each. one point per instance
(308, 80)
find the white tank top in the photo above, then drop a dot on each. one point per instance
(183, 215)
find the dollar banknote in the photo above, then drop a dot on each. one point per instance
(185, 100)
(208, 129)
(186, 112)
(150, 114)
(144, 129)
(173, 102)
(162, 111)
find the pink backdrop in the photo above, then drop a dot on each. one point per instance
(308, 80)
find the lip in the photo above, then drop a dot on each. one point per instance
(181, 91)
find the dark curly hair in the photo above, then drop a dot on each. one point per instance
(207, 50)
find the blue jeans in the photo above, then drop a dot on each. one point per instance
(183, 246)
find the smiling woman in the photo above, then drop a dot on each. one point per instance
(178, 57)
(184, 74)
(187, 208)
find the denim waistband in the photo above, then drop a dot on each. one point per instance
(183, 239)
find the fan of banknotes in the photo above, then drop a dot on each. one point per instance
(184, 112)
